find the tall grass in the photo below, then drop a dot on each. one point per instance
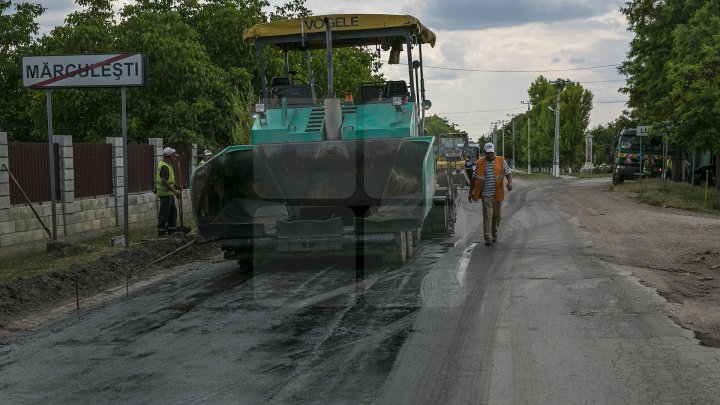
(673, 194)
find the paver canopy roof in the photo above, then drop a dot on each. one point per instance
(339, 23)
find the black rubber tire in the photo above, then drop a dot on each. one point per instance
(247, 264)
(417, 236)
(399, 253)
(410, 244)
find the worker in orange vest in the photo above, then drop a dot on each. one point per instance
(489, 177)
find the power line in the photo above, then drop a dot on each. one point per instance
(519, 71)
(603, 81)
(481, 111)
(513, 109)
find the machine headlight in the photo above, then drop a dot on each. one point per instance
(260, 108)
(397, 101)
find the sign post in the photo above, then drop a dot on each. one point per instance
(76, 71)
(668, 126)
(123, 104)
(642, 131)
(53, 194)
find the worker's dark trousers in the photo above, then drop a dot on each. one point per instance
(167, 217)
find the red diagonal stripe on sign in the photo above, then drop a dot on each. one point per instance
(85, 69)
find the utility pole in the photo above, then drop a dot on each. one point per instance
(494, 132)
(502, 123)
(559, 83)
(512, 119)
(528, 133)
(503, 139)
(556, 157)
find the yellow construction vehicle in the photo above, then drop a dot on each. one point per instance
(451, 152)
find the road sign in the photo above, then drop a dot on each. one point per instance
(640, 156)
(66, 71)
(643, 130)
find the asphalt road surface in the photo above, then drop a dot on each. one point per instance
(535, 318)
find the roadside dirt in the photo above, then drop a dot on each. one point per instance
(675, 252)
(31, 296)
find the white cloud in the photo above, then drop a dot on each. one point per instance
(600, 40)
(482, 14)
(491, 35)
(55, 13)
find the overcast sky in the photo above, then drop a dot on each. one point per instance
(553, 38)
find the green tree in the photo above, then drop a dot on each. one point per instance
(521, 140)
(647, 68)
(88, 114)
(351, 67)
(648, 85)
(202, 78)
(435, 125)
(575, 107)
(542, 96)
(188, 98)
(218, 23)
(576, 104)
(18, 32)
(693, 73)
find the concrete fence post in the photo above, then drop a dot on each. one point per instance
(118, 177)
(4, 176)
(67, 179)
(157, 144)
(193, 158)
(4, 186)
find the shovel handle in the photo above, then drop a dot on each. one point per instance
(182, 224)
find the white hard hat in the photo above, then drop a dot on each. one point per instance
(207, 152)
(489, 147)
(168, 151)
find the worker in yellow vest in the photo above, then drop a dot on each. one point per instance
(207, 155)
(489, 175)
(167, 191)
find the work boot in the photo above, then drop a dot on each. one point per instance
(488, 242)
(494, 239)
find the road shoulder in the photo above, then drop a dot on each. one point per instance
(673, 251)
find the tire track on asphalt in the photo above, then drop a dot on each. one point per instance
(343, 354)
(450, 346)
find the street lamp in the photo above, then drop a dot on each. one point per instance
(528, 133)
(512, 119)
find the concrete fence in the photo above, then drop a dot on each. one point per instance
(77, 218)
